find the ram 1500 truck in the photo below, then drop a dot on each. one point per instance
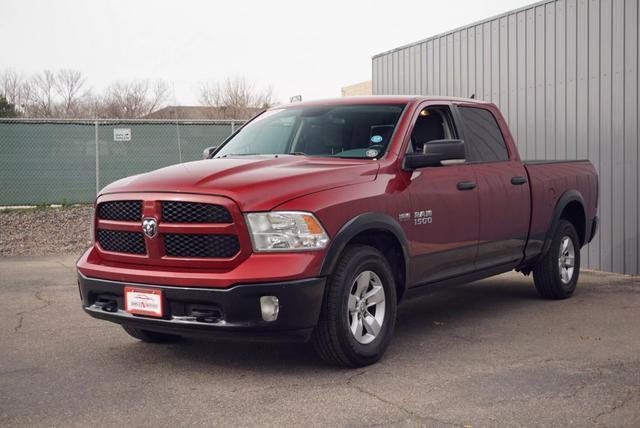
(314, 220)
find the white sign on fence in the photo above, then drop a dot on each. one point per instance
(122, 134)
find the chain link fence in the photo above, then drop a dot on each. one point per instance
(68, 161)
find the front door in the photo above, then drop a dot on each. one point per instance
(443, 227)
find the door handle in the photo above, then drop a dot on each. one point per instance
(516, 181)
(466, 185)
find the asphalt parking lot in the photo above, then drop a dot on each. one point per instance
(486, 354)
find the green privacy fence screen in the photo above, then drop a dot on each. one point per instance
(63, 161)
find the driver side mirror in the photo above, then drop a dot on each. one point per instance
(208, 152)
(436, 153)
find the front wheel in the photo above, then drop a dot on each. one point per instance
(359, 309)
(556, 274)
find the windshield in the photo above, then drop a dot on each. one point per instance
(350, 131)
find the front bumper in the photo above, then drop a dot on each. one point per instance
(232, 313)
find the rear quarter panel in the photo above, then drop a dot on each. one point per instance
(549, 181)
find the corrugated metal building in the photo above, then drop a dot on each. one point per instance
(565, 74)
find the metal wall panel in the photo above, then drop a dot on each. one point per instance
(565, 75)
(617, 134)
(464, 63)
(529, 147)
(604, 142)
(593, 127)
(631, 118)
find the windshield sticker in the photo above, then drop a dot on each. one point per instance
(376, 139)
(371, 153)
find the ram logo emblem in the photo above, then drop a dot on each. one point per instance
(150, 227)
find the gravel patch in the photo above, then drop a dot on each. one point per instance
(45, 231)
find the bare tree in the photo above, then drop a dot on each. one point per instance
(65, 94)
(42, 94)
(128, 100)
(11, 87)
(265, 99)
(158, 96)
(89, 106)
(69, 86)
(235, 97)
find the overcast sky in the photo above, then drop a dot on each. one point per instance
(296, 47)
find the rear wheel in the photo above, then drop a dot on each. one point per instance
(556, 274)
(359, 309)
(150, 336)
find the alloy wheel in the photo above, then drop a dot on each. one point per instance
(366, 307)
(566, 259)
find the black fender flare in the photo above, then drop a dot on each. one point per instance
(361, 223)
(564, 200)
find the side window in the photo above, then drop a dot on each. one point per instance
(433, 123)
(484, 141)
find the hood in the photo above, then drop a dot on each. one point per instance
(255, 183)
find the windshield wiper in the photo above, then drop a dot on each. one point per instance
(298, 153)
(240, 154)
(351, 157)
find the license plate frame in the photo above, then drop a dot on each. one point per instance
(144, 301)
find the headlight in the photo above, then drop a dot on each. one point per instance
(286, 231)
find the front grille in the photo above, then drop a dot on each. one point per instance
(201, 229)
(206, 246)
(120, 210)
(122, 242)
(194, 212)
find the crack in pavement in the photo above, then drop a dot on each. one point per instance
(371, 394)
(630, 394)
(69, 268)
(409, 412)
(14, 371)
(577, 390)
(20, 319)
(426, 420)
(298, 385)
(285, 387)
(21, 314)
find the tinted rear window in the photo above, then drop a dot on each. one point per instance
(483, 139)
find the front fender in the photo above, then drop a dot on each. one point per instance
(370, 221)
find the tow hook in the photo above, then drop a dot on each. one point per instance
(206, 315)
(107, 304)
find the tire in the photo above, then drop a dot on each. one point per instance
(150, 336)
(548, 272)
(362, 270)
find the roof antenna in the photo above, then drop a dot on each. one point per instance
(473, 96)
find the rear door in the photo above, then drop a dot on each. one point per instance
(503, 190)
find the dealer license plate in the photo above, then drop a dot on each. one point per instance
(143, 301)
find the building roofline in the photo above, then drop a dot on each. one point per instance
(464, 27)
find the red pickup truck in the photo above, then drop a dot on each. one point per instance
(314, 220)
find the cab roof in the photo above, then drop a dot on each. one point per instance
(377, 99)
